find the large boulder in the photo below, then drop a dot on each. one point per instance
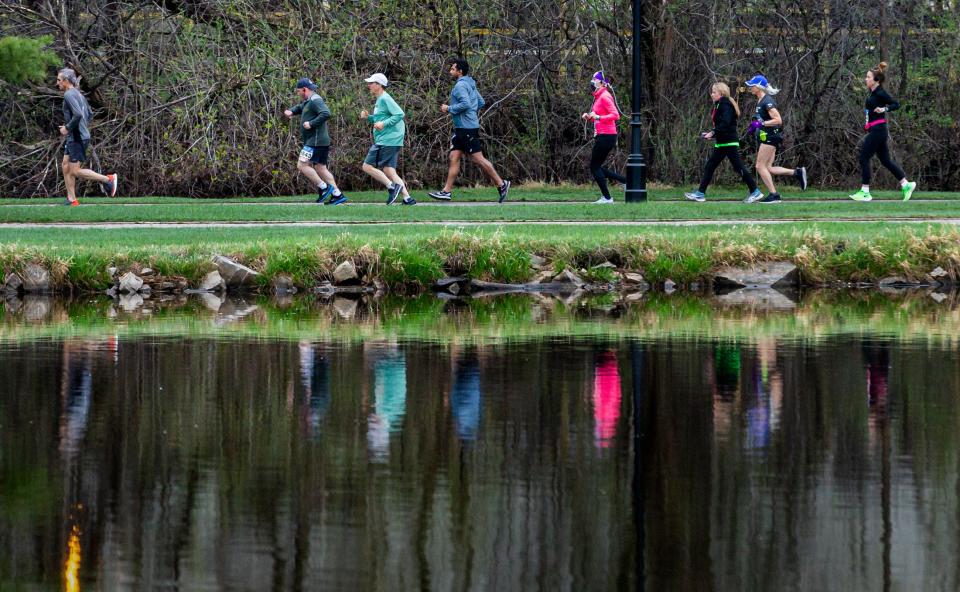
(346, 272)
(12, 283)
(568, 277)
(213, 282)
(235, 275)
(36, 279)
(766, 274)
(130, 283)
(283, 285)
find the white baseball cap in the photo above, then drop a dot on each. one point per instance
(379, 79)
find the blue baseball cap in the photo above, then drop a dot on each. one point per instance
(758, 80)
(306, 83)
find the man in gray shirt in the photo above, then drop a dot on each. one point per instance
(76, 129)
(464, 108)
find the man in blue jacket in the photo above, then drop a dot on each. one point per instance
(464, 107)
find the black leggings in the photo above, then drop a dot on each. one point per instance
(733, 153)
(875, 142)
(602, 146)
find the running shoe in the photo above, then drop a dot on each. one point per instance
(771, 198)
(604, 200)
(801, 175)
(336, 200)
(393, 192)
(861, 195)
(503, 190)
(75, 202)
(697, 196)
(754, 197)
(441, 195)
(409, 201)
(110, 187)
(325, 193)
(907, 190)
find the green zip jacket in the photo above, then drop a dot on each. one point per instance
(389, 112)
(317, 113)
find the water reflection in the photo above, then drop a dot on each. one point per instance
(465, 396)
(728, 461)
(390, 398)
(606, 398)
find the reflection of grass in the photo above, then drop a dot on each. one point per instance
(416, 256)
(509, 318)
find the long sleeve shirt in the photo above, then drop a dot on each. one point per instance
(315, 111)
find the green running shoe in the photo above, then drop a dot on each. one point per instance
(861, 196)
(908, 190)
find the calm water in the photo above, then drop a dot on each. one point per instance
(730, 460)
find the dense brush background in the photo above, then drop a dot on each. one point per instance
(189, 94)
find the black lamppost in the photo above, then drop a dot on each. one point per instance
(636, 168)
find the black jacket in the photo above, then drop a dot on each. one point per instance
(879, 98)
(724, 118)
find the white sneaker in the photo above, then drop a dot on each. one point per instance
(604, 200)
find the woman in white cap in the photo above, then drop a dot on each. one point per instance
(388, 133)
(768, 125)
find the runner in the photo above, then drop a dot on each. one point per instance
(464, 107)
(876, 107)
(315, 154)
(388, 132)
(726, 145)
(77, 115)
(604, 116)
(767, 124)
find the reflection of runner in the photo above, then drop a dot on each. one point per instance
(726, 363)
(606, 398)
(76, 394)
(315, 378)
(465, 397)
(390, 402)
(878, 372)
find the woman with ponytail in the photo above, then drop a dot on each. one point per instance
(876, 107)
(604, 115)
(767, 124)
(726, 144)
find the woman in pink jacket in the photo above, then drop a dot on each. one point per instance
(604, 116)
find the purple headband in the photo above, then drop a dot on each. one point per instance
(599, 76)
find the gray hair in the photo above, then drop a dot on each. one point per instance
(70, 76)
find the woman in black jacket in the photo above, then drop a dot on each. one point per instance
(875, 108)
(726, 143)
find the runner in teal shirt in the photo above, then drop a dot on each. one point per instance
(388, 131)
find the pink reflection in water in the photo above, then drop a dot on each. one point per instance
(606, 398)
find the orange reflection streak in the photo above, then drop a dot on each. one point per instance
(72, 566)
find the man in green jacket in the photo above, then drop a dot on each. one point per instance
(315, 154)
(388, 132)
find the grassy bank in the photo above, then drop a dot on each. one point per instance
(412, 257)
(819, 315)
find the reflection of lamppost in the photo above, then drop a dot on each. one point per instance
(636, 168)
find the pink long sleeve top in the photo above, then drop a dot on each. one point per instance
(604, 106)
